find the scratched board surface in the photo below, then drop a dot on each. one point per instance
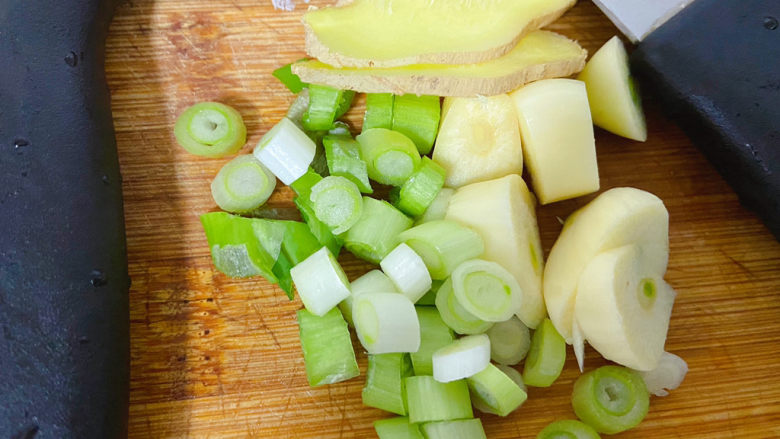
(213, 357)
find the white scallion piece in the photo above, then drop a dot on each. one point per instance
(286, 151)
(320, 282)
(372, 282)
(386, 323)
(462, 358)
(407, 271)
(669, 374)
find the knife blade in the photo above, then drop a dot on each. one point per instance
(714, 65)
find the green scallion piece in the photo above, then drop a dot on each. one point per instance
(417, 117)
(459, 429)
(372, 282)
(290, 80)
(492, 391)
(391, 157)
(510, 341)
(236, 249)
(384, 387)
(568, 429)
(320, 282)
(419, 191)
(376, 232)
(210, 129)
(443, 245)
(317, 227)
(438, 207)
(454, 315)
(462, 358)
(546, 357)
(429, 400)
(611, 399)
(327, 348)
(486, 290)
(343, 155)
(379, 111)
(302, 186)
(337, 203)
(326, 104)
(430, 297)
(434, 335)
(397, 428)
(243, 184)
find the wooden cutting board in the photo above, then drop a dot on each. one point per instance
(215, 357)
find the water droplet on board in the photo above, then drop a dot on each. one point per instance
(72, 59)
(21, 143)
(770, 23)
(105, 180)
(99, 278)
(83, 340)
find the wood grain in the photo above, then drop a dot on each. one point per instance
(215, 357)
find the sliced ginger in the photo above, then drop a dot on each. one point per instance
(388, 33)
(539, 55)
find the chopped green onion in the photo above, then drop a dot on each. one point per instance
(430, 297)
(379, 111)
(510, 341)
(454, 315)
(443, 245)
(317, 227)
(417, 117)
(546, 357)
(486, 290)
(302, 186)
(611, 399)
(320, 282)
(434, 335)
(459, 429)
(242, 184)
(327, 348)
(419, 191)
(286, 151)
(492, 391)
(429, 400)
(290, 80)
(386, 323)
(669, 374)
(437, 210)
(236, 249)
(462, 358)
(568, 429)
(390, 156)
(343, 154)
(376, 232)
(372, 282)
(397, 428)
(298, 108)
(298, 244)
(340, 129)
(326, 104)
(210, 129)
(337, 202)
(384, 387)
(513, 374)
(407, 271)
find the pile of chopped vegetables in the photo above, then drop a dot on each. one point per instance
(462, 292)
